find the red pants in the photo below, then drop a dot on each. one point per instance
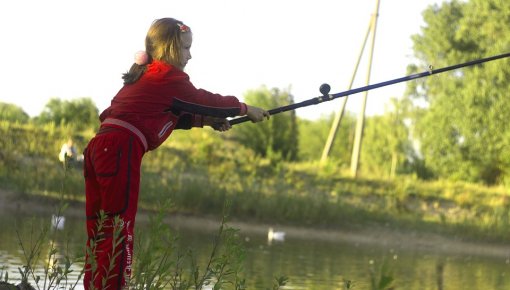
(112, 183)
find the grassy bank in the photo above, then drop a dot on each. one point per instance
(199, 171)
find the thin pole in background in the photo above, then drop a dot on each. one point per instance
(361, 117)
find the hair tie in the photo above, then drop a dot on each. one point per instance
(183, 27)
(141, 58)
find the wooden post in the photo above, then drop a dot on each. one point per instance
(361, 116)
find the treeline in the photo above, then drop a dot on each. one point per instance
(284, 137)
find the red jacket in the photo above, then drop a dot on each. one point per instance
(164, 99)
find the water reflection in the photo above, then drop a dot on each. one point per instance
(309, 264)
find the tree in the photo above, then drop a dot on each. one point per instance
(463, 129)
(387, 147)
(276, 138)
(79, 113)
(313, 136)
(13, 113)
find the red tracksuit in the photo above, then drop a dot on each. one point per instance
(141, 117)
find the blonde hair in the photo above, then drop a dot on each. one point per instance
(163, 40)
(162, 43)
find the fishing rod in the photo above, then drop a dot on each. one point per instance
(325, 88)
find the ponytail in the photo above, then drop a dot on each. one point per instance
(135, 73)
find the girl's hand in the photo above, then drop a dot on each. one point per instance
(218, 124)
(256, 114)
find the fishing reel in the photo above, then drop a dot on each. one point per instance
(324, 89)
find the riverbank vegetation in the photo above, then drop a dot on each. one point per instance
(200, 170)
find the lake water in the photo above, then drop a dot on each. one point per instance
(308, 263)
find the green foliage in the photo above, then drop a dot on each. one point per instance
(56, 265)
(313, 136)
(12, 113)
(463, 130)
(153, 249)
(78, 113)
(381, 278)
(280, 282)
(276, 138)
(28, 149)
(387, 149)
(160, 261)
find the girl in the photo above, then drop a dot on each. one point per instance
(157, 97)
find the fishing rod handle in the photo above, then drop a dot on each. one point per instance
(282, 109)
(271, 112)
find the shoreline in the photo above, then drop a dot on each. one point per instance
(368, 236)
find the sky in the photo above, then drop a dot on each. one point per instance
(73, 49)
